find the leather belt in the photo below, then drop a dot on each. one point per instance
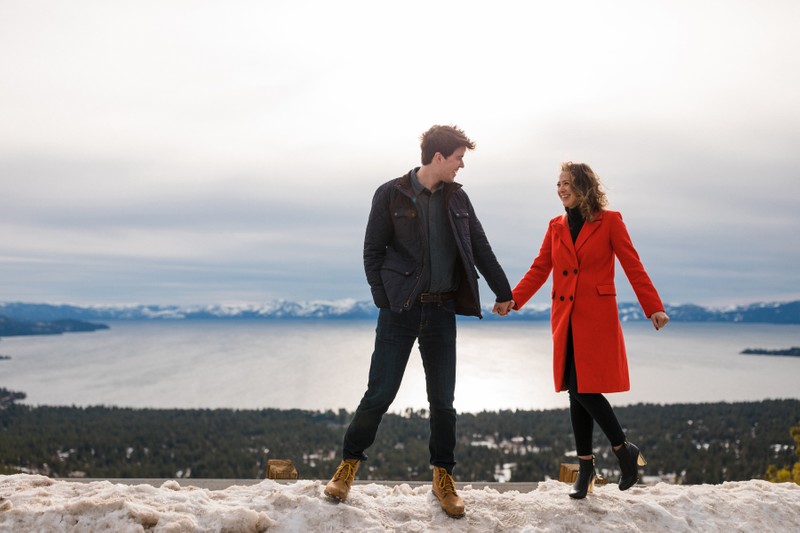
(431, 298)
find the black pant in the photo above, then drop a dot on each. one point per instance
(433, 327)
(585, 409)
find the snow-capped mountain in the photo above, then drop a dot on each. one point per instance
(775, 312)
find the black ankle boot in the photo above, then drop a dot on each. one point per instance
(629, 458)
(585, 481)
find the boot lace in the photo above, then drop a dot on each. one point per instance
(446, 482)
(345, 471)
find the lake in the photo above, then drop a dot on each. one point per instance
(323, 364)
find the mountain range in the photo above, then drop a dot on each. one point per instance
(770, 312)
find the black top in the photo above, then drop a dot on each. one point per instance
(575, 220)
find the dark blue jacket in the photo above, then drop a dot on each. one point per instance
(396, 243)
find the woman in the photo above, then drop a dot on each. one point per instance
(588, 348)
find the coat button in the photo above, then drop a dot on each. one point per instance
(575, 271)
(565, 272)
(570, 298)
(561, 298)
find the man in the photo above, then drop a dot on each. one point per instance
(422, 244)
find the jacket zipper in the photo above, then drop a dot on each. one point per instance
(461, 255)
(419, 276)
(424, 234)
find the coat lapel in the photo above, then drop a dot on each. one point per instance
(562, 228)
(587, 230)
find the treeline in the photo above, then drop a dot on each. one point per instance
(12, 328)
(685, 443)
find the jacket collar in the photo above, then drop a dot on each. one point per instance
(403, 184)
(562, 226)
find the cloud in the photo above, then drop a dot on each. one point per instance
(199, 145)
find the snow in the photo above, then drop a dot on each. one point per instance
(38, 503)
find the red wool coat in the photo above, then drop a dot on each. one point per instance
(584, 291)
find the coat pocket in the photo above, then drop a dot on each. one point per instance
(404, 268)
(607, 290)
(404, 212)
(462, 220)
(406, 225)
(399, 279)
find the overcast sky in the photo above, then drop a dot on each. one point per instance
(202, 152)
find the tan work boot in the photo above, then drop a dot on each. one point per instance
(445, 489)
(339, 487)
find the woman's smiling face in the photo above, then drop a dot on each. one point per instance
(565, 191)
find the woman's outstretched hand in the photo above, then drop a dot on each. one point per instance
(659, 319)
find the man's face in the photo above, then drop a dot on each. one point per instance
(449, 166)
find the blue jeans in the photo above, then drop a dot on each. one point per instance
(434, 327)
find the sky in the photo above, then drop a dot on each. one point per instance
(38, 503)
(209, 152)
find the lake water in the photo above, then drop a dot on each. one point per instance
(323, 364)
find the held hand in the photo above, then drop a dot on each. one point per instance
(502, 308)
(659, 319)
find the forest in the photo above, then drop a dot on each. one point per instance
(683, 443)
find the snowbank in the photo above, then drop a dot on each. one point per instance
(37, 503)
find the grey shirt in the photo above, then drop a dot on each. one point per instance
(440, 262)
